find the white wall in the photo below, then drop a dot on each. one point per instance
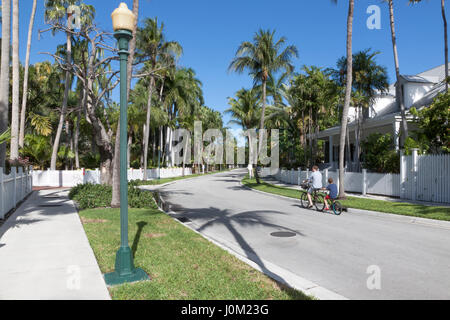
(61, 178)
(415, 91)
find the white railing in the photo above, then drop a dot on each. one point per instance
(14, 187)
(61, 178)
(421, 178)
(365, 183)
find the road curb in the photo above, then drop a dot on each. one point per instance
(271, 270)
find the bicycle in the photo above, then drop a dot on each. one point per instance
(317, 198)
(337, 207)
(319, 201)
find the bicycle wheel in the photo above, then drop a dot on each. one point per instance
(337, 208)
(319, 202)
(304, 200)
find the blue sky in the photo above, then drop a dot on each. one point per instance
(210, 32)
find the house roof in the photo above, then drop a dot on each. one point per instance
(428, 98)
(416, 79)
(369, 123)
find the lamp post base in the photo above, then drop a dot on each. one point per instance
(125, 270)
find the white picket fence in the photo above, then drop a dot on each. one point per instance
(365, 183)
(61, 178)
(14, 187)
(426, 178)
(421, 178)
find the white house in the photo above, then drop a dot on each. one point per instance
(384, 115)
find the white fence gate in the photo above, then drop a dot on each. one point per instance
(426, 178)
(14, 187)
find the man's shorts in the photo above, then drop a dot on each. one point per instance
(311, 190)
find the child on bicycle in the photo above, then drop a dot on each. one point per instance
(332, 188)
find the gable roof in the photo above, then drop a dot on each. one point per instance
(416, 79)
(429, 97)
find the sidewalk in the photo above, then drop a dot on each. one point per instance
(45, 254)
(274, 181)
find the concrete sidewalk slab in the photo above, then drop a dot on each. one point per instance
(45, 254)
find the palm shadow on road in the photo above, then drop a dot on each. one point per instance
(216, 216)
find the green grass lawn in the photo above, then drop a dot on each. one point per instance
(401, 208)
(182, 264)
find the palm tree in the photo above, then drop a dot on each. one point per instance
(369, 79)
(14, 151)
(444, 18)
(183, 94)
(4, 75)
(152, 43)
(445, 42)
(348, 94)
(398, 88)
(245, 112)
(55, 12)
(263, 58)
(25, 77)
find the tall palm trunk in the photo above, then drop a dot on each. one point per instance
(348, 93)
(115, 202)
(398, 88)
(4, 76)
(64, 105)
(25, 77)
(147, 124)
(445, 42)
(14, 155)
(262, 126)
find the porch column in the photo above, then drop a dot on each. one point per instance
(396, 126)
(331, 151)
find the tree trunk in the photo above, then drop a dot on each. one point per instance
(348, 93)
(398, 87)
(77, 127)
(130, 142)
(262, 126)
(14, 152)
(154, 147)
(147, 124)
(358, 139)
(445, 43)
(25, 78)
(64, 105)
(4, 76)
(115, 202)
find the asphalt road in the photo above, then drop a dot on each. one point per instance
(399, 259)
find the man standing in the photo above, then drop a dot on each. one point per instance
(315, 183)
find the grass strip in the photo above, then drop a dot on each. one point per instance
(181, 263)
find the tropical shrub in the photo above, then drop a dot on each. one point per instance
(379, 154)
(89, 196)
(434, 126)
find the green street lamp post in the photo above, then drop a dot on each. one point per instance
(125, 272)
